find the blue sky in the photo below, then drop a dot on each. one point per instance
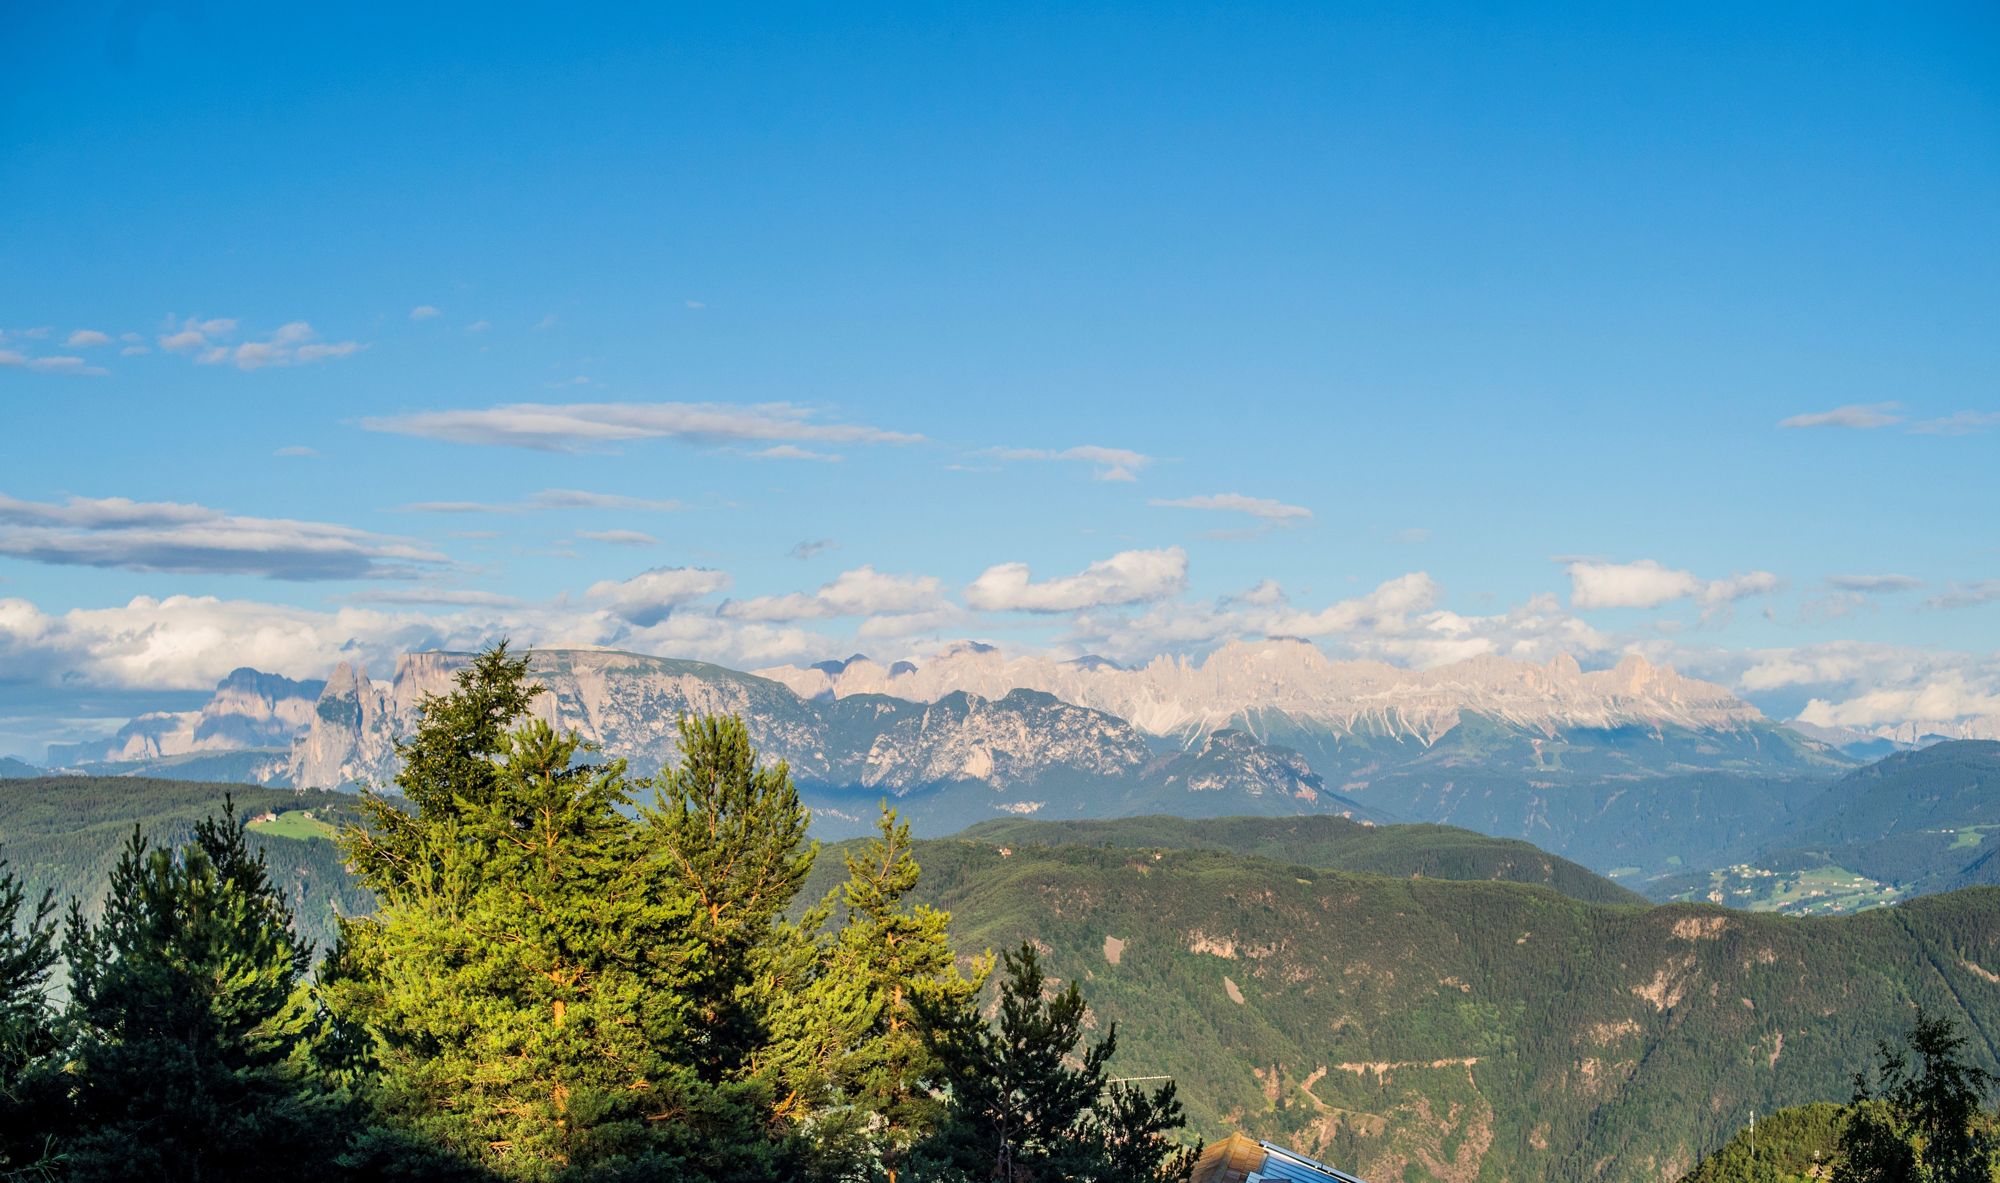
(1469, 294)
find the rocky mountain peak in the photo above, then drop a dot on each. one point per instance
(1239, 680)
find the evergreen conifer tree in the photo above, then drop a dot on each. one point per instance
(1926, 1125)
(732, 836)
(1028, 1107)
(899, 954)
(27, 1030)
(189, 1021)
(526, 982)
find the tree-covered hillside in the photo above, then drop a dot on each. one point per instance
(1914, 823)
(1420, 1029)
(1330, 843)
(64, 834)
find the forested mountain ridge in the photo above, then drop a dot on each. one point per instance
(1423, 1029)
(64, 833)
(1327, 843)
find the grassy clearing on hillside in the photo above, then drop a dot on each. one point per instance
(293, 823)
(1967, 837)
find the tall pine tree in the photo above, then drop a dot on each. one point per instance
(189, 1021)
(900, 954)
(732, 835)
(1031, 1103)
(27, 1030)
(526, 981)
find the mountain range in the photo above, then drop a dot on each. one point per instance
(241, 732)
(1293, 680)
(946, 763)
(1634, 770)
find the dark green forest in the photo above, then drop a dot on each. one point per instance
(64, 835)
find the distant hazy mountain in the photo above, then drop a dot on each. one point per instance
(12, 768)
(250, 711)
(1295, 681)
(945, 764)
(1852, 741)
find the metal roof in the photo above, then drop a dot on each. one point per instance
(1237, 1159)
(1286, 1166)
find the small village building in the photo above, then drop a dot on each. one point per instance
(1241, 1159)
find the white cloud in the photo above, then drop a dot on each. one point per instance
(193, 539)
(1861, 416)
(1644, 584)
(619, 537)
(1882, 688)
(1130, 577)
(1275, 512)
(572, 427)
(290, 344)
(49, 365)
(1397, 622)
(194, 334)
(1958, 423)
(439, 596)
(1112, 464)
(1966, 595)
(1648, 584)
(551, 499)
(811, 547)
(87, 339)
(793, 452)
(650, 597)
(191, 642)
(1874, 583)
(64, 365)
(1388, 605)
(479, 326)
(863, 591)
(425, 312)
